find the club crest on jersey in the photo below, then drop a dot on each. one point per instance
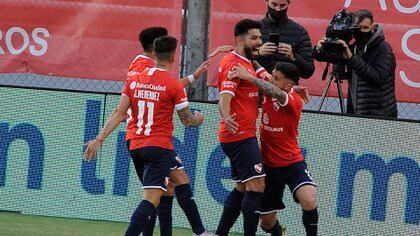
(258, 168)
(178, 160)
(133, 85)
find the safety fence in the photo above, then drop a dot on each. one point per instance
(88, 45)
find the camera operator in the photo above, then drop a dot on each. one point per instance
(370, 69)
(294, 44)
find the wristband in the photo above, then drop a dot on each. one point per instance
(191, 78)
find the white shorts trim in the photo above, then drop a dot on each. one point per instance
(177, 168)
(253, 177)
(155, 187)
(302, 184)
(269, 212)
(236, 180)
(228, 92)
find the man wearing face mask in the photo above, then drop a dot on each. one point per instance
(370, 69)
(294, 42)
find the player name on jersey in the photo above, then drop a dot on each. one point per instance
(145, 94)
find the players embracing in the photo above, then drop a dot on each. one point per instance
(283, 162)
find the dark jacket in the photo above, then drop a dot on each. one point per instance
(371, 75)
(372, 80)
(293, 34)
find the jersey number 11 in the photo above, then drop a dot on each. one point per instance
(141, 116)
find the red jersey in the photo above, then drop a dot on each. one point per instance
(153, 97)
(244, 102)
(139, 64)
(279, 130)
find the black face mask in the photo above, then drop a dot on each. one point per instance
(362, 37)
(277, 16)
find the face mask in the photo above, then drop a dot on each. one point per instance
(277, 15)
(362, 37)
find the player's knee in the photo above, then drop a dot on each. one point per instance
(255, 185)
(170, 190)
(267, 222)
(179, 177)
(240, 187)
(308, 203)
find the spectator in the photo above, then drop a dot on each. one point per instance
(295, 45)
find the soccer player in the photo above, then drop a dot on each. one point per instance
(238, 106)
(282, 157)
(164, 211)
(152, 96)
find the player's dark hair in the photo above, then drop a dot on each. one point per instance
(289, 70)
(164, 48)
(243, 26)
(148, 36)
(360, 15)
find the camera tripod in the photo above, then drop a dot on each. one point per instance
(332, 76)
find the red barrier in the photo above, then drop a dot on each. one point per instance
(98, 39)
(95, 39)
(400, 19)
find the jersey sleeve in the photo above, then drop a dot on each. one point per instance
(228, 85)
(180, 98)
(293, 102)
(126, 88)
(263, 74)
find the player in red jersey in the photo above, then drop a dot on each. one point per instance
(153, 95)
(282, 157)
(237, 134)
(140, 63)
(146, 61)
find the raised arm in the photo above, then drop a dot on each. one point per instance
(196, 75)
(188, 118)
(116, 117)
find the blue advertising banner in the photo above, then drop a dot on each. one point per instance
(367, 170)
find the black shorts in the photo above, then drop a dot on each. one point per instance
(153, 166)
(176, 162)
(295, 176)
(245, 159)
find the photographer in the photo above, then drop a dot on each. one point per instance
(294, 44)
(370, 69)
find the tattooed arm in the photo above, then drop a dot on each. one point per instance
(264, 86)
(270, 89)
(188, 118)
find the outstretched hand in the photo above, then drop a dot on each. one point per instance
(91, 150)
(201, 69)
(220, 49)
(303, 92)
